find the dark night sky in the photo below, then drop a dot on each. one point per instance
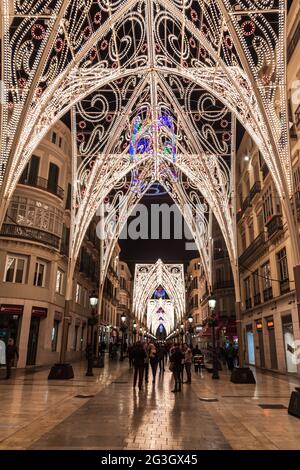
(148, 251)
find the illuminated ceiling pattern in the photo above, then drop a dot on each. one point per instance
(206, 62)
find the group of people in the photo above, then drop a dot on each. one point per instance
(149, 354)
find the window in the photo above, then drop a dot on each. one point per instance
(54, 335)
(15, 269)
(54, 136)
(247, 288)
(36, 214)
(60, 142)
(40, 274)
(59, 284)
(266, 275)
(255, 282)
(282, 265)
(248, 292)
(31, 171)
(268, 204)
(78, 294)
(53, 178)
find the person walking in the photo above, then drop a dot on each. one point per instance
(11, 353)
(161, 358)
(153, 353)
(188, 358)
(130, 357)
(138, 358)
(147, 361)
(230, 357)
(176, 366)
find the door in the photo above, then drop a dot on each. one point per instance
(53, 178)
(33, 341)
(273, 351)
(250, 344)
(31, 171)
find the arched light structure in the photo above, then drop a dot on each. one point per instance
(148, 277)
(210, 62)
(160, 312)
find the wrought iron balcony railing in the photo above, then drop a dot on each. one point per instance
(256, 247)
(284, 286)
(30, 233)
(268, 294)
(254, 190)
(257, 299)
(274, 225)
(43, 183)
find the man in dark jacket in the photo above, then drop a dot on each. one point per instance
(176, 359)
(11, 352)
(138, 357)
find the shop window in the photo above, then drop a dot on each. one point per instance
(54, 335)
(40, 274)
(15, 269)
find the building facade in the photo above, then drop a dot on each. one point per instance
(222, 289)
(34, 247)
(270, 316)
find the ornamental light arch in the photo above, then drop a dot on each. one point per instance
(60, 51)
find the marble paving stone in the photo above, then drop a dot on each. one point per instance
(38, 414)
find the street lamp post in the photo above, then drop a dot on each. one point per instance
(123, 329)
(215, 374)
(90, 347)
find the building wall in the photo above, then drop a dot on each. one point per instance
(36, 229)
(262, 229)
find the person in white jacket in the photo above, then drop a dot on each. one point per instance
(2, 353)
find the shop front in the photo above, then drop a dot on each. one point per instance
(10, 322)
(37, 314)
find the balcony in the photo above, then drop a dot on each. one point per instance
(257, 299)
(254, 190)
(43, 183)
(244, 207)
(248, 303)
(29, 233)
(274, 226)
(253, 250)
(268, 294)
(223, 285)
(284, 286)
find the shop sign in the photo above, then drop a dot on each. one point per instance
(39, 312)
(12, 309)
